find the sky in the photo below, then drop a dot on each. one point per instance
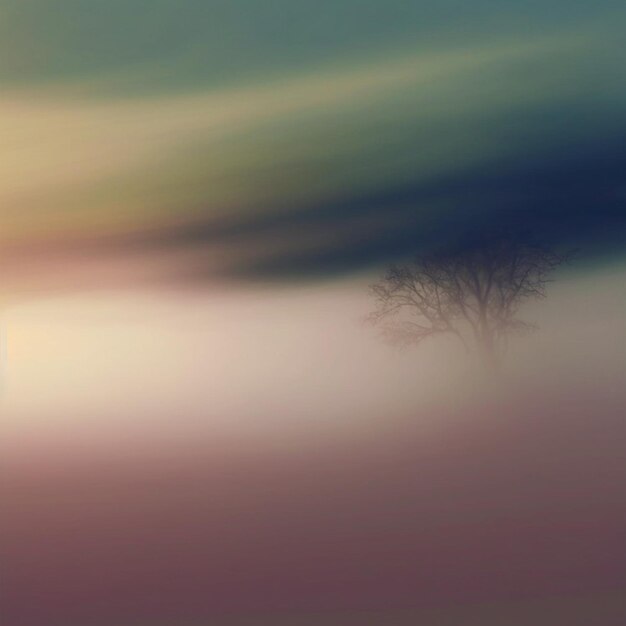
(336, 138)
(196, 426)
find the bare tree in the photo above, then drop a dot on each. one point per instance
(472, 292)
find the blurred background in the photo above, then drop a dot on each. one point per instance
(196, 427)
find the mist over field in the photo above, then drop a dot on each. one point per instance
(198, 425)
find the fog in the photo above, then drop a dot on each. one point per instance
(198, 425)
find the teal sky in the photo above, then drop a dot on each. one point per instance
(191, 43)
(149, 115)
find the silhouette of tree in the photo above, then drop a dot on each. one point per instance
(472, 291)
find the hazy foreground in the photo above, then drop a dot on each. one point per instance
(177, 459)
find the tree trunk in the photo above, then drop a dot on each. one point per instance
(488, 350)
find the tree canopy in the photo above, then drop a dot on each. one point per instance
(472, 291)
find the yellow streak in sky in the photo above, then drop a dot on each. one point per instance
(66, 162)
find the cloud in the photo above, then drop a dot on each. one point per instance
(324, 172)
